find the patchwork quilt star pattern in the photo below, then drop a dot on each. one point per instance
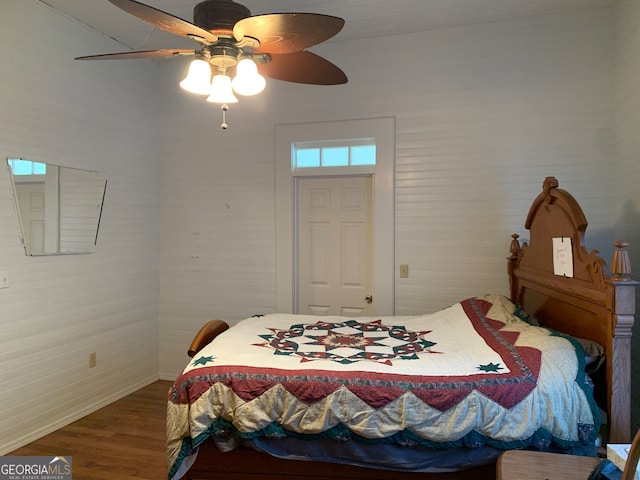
(348, 342)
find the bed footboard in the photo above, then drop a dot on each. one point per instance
(208, 332)
(248, 464)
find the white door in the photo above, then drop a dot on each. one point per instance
(334, 245)
(31, 202)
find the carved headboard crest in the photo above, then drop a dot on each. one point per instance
(552, 195)
(548, 184)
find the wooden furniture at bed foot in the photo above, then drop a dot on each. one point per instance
(529, 465)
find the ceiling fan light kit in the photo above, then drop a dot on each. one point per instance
(221, 90)
(248, 81)
(234, 43)
(198, 79)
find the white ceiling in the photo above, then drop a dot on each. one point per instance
(364, 18)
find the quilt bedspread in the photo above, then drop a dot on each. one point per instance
(473, 374)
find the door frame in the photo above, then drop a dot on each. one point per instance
(383, 130)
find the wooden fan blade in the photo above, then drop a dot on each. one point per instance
(282, 33)
(302, 67)
(140, 54)
(165, 21)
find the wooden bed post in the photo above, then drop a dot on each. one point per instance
(619, 368)
(514, 254)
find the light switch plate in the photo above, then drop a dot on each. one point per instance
(404, 270)
(4, 279)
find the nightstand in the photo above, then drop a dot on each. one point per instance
(530, 465)
(526, 465)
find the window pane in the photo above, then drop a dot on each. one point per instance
(335, 156)
(20, 167)
(26, 167)
(307, 157)
(363, 155)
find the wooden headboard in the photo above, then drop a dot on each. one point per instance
(590, 304)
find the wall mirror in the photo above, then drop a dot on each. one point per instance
(59, 208)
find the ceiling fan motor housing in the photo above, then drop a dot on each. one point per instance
(219, 16)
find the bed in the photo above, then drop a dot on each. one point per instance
(426, 396)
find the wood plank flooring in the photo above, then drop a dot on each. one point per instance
(122, 441)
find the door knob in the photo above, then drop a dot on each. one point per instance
(368, 298)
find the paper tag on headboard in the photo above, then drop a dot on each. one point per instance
(562, 257)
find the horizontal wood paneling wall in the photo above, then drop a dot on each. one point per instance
(59, 309)
(626, 184)
(483, 112)
(81, 196)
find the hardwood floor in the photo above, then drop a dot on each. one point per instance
(125, 440)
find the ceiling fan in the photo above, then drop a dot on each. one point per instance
(234, 43)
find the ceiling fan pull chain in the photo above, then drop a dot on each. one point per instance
(224, 108)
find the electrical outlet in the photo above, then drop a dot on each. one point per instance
(404, 270)
(4, 279)
(93, 359)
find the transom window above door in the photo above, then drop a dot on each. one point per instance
(341, 153)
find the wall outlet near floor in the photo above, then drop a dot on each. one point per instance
(4, 279)
(93, 359)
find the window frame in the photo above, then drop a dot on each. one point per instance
(324, 145)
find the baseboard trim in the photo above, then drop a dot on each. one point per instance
(171, 377)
